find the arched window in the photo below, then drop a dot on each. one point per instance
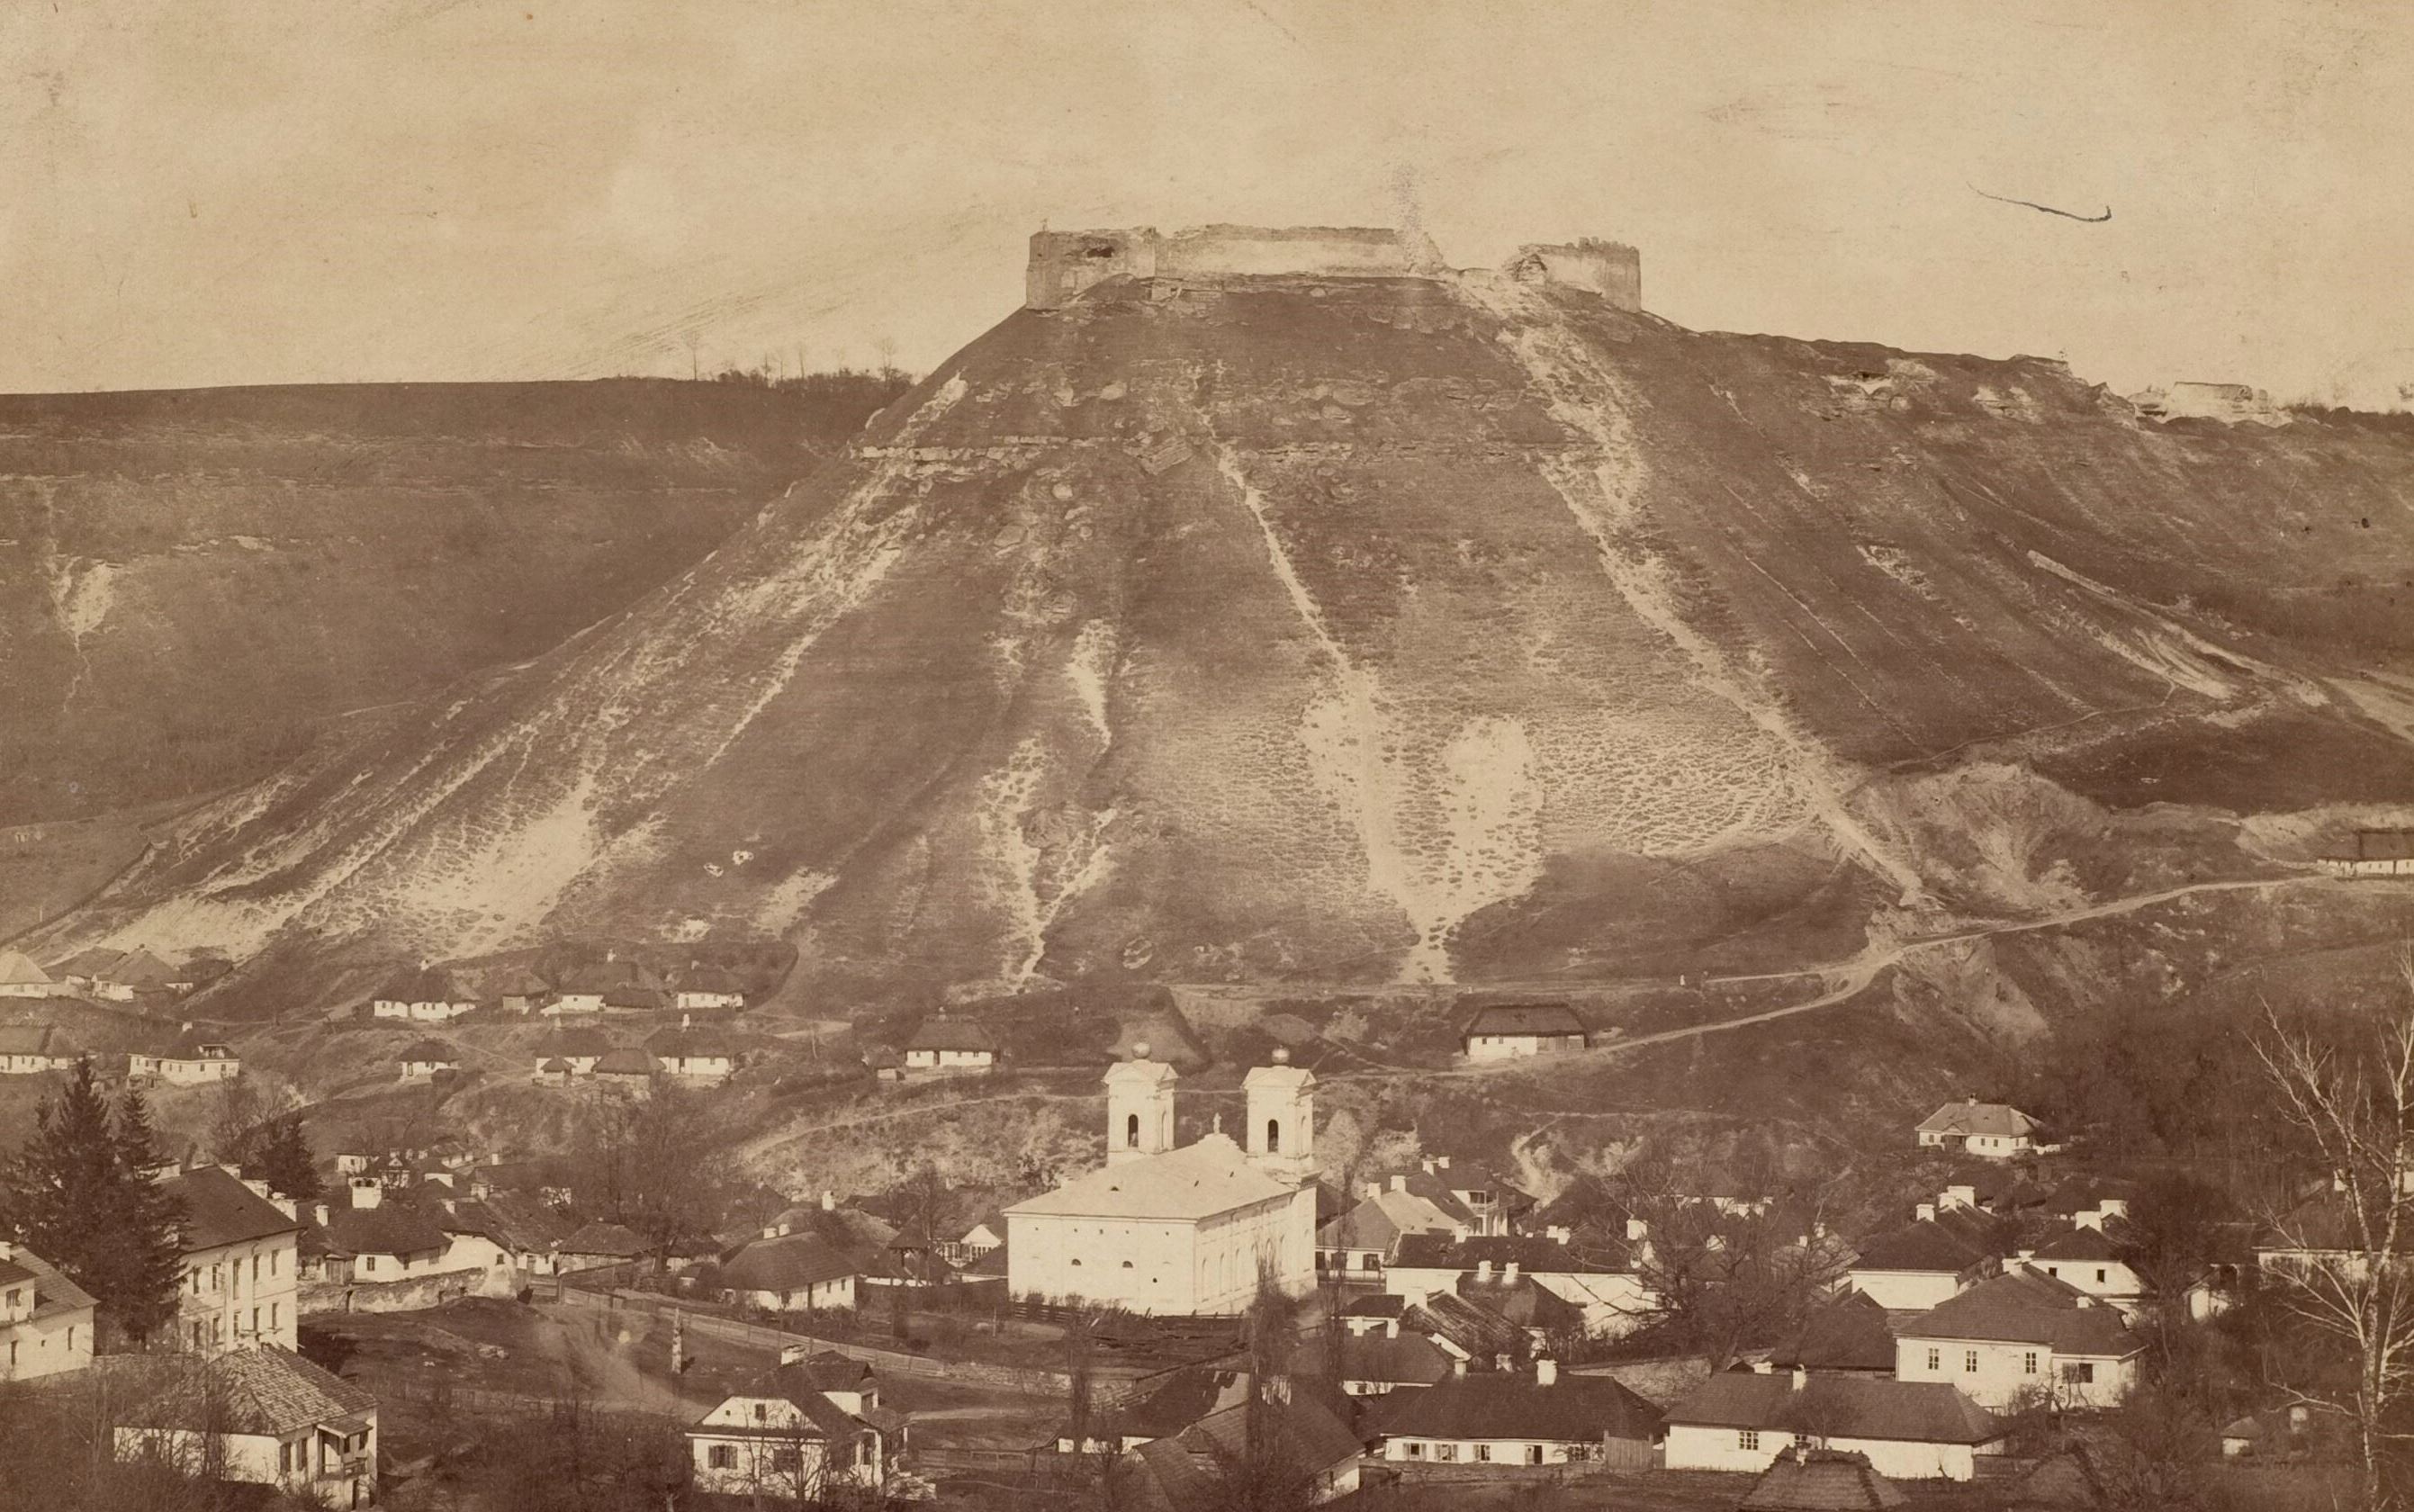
(1131, 1132)
(1274, 1137)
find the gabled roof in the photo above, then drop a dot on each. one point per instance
(514, 1222)
(263, 1390)
(830, 1370)
(514, 982)
(706, 977)
(1475, 1331)
(1971, 1117)
(683, 1043)
(221, 1209)
(52, 1291)
(141, 971)
(34, 1039)
(2081, 1243)
(1403, 1359)
(1820, 1480)
(94, 961)
(611, 980)
(1530, 1254)
(1526, 1302)
(576, 1043)
(1194, 1181)
(2024, 1306)
(428, 1050)
(627, 1061)
(1839, 1406)
(941, 1033)
(794, 1384)
(1514, 1405)
(1850, 1333)
(1927, 1246)
(606, 1239)
(785, 1264)
(1181, 1399)
(392, 1227)
(1381, 1219)
(420, 983)
(1525, 1018)
(17, 971)
(554, 1066)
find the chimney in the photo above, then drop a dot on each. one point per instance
(1484, 1271)
(8, 1251)
(1458, 1367)
(1390, 1327)
(1399, 1183)
(685, 1020)
(830, 1200)
(1546, 1371)
(259, 1189)
(1500, 1362)
(1927, 1213)
(1509, 1273)
(1801, 1378)
(286, 1206)
(318, 1213)
(772, 1231)
(793, 1354)
(368, 1194)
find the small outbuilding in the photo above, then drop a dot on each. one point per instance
(1509, 1029)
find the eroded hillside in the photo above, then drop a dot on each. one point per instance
(190, 583)
(1390, 628)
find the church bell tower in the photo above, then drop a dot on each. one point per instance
(1282, 1118)
(1139, 1107)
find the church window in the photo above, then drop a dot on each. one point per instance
(1274, 1137)
(1131, 1132)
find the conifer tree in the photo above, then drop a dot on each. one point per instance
(283, 1160)
(62, 1186)
(148, 1264)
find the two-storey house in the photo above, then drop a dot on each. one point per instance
(240, 1253)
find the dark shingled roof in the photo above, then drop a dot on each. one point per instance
(1525, 1018)
(606, 1239)
(940, 1033)
(1820, 1480)
(628, 1061)
(1839, 1406)
(1407, 1359)
(2077, 1242)
(1850, 1333)
(1924, 1246)
(2023, 1307)
(681, 1043)
(34, 1039)
(435, 1050)
(262, 1390)
(221, 1209)
(785, 1264)
(1182, 1471)
(796, 1383)
(420, 983)
(1971, 1117)
(578, 1041)
(396, 1228)
(1573, 1409)
(1440, 1251)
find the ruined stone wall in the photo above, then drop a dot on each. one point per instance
(1064, 264)
(1613, 269)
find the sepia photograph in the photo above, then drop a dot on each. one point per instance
(1206, 756)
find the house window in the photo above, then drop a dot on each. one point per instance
(2099, 1275)
(1748, 1438)
(721, 1456)
(1483, 1451)
(787, 1459)
(761, 1412)
(1446, 1452)
(1371, 1262)
(1970, 1361)
(1935, 1359)
(1416, 1449)
(2078, 1372)
(368, 1262)
(2028, 1363)
(272, 1262)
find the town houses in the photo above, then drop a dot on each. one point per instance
(241, 1262)
(44, 1319)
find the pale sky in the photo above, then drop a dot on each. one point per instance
(308, 190)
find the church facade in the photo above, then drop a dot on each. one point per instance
(1178, 1230)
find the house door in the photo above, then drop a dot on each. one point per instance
(1533, 1454)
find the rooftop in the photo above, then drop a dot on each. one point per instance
(1820, 1480)
(261, 1390)
(1525, 1018)
(221, 1209)
(2023, 1307)
(1516, 1405)
(941, 1033)
(1971, 1117)
(1194, 1181)
(1839, 1406)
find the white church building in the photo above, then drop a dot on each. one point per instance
(1178, 1230)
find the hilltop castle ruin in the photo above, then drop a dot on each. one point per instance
(1066, 264)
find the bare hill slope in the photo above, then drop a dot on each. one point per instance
(1378, 629)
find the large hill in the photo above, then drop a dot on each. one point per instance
(192, 582)
(1360, 629)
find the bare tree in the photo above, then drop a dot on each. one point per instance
(2346, 1269)
(1718, 1280)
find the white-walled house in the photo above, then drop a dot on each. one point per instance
(30, 1049)
(700, 1056)
(957, 1046)
(21, 978)
(1926, 1262)
(1991, 1130)
(784, 1436)
(2091, 1259)
(1181, 1231)
(422, 995)
(1183, 1470)
(1603, 1285)
(424, 1059)
(1364, 1240)
(1740, 1421)
(781, 1270)
(1508, 1031)
(705, 986)
(275, 1418)
(240, 1246)
(1537, 1417)
(2018, 1333)
(192, 1060)
(44, 1319)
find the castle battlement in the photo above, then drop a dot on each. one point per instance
(1066, 264)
